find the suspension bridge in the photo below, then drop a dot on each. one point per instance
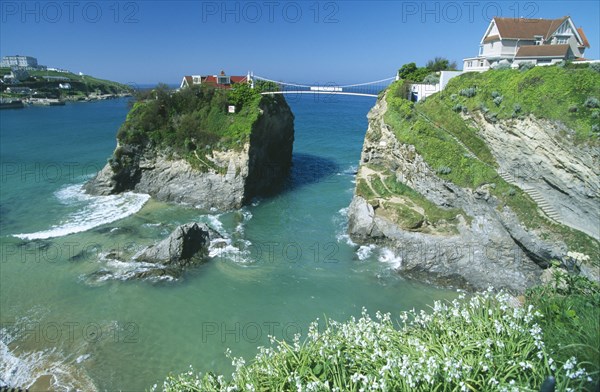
(367, 89)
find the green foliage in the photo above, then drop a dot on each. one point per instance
(526, 66)
(498, 100)
(431, 79)
(242, 94)
(571, 306)
(481, 343)
(410, 72)
(545, 92)
(591, 102)
(440, 64)
(468, 92)
(595, 67)
(192, 121)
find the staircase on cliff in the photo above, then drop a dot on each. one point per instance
(539, 199)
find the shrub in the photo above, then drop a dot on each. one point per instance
(561, 64)
(483, 343)
(502, 66)
(595, 66)
(468, 92)
(517, 108)
(431, 79)
(573, 109)
(596, 114)
(483, 108)
(526, 66)
(498, 100)
(595, 128)
(444, 170)
(453, 97)
(592, 102)
(457, 108)
(495, 94)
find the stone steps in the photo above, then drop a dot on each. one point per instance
(539, 199)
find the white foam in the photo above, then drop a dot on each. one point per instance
(93, 211)
(23, 369)
(341, 221)
(387, 256)
(223, 247)
(365, 251)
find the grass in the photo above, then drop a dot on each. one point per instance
(194, 122)
(484, 342)
(407, 213)
(545, 92)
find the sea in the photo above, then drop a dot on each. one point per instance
(73, 318)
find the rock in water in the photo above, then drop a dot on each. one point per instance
(186, 243)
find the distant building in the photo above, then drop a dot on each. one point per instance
(219, 81)
(19, 90)
(19, 61)
(538, 41)
(64, 86)
(16, 75)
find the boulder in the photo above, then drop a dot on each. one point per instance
(186, 244)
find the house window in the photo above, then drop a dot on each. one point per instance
(561, 41)
(223, 80)
(481, 63)
(469, 64)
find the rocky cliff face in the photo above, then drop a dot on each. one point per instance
(485, 244)
(234, 177)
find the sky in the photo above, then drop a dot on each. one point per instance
(341, 42)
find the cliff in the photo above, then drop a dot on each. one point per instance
(477, 197)
(186, 148)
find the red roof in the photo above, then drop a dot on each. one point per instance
(583, 37)
(212, 80)
(543, 51)
(522, 28)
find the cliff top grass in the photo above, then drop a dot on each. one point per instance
(451, 146)
(194, 121)
(570, 96)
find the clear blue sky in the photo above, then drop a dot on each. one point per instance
(302, 41)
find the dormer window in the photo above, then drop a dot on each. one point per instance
(223, 79)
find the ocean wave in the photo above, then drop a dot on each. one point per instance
(365, 251)
(47, 368)
(92, 211)
(341, 222)
(388, 256)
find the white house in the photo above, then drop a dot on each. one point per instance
(538, 41)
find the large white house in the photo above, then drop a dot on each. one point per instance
(538, 41)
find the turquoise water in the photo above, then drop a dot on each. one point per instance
(67, 306)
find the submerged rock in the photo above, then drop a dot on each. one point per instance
(186, 244)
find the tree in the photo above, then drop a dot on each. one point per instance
(406, 70)
(440, 64)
